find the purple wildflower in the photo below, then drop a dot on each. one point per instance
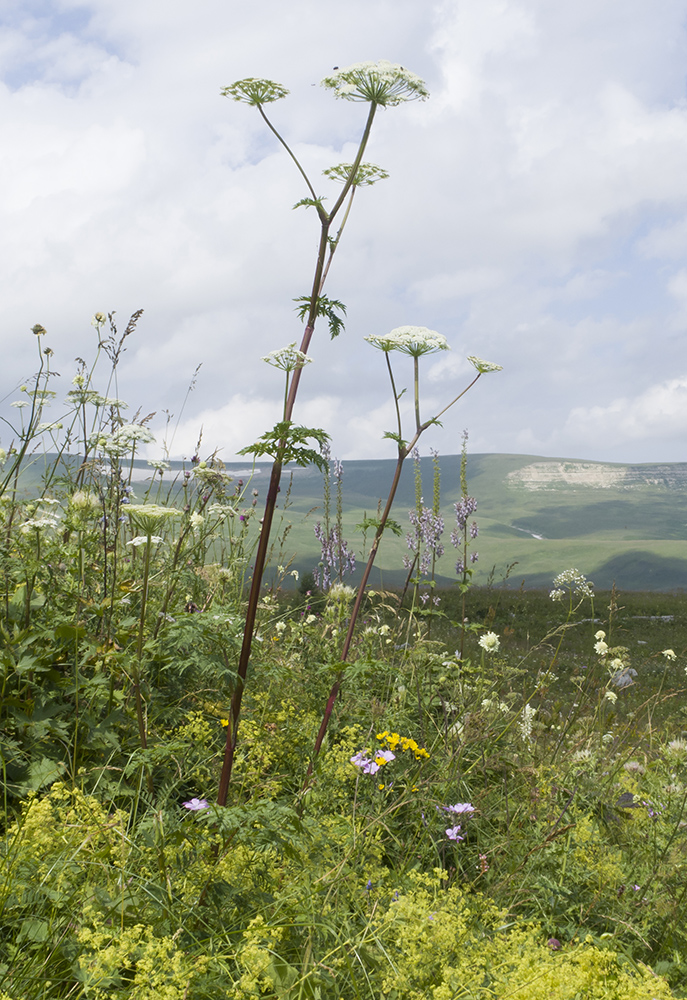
(459, 807)
(196, 804)
(452, 832)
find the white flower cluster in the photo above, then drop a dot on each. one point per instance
(120, 442)
(49, 521)
(412, 340)
(525, 724)
(384, 83)
(287, 358)
(573, 581)
(150, 517)
(143, 540)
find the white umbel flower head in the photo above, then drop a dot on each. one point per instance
(288, 359)
(150, 517)
(412, 340)
(254, 91)
(366, 174)
(383, 83)
(483, 366)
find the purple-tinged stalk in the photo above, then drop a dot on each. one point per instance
(380, 84)
(462, 534)
(415, 342)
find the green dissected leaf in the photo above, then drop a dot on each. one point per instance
(286, 443)
(329, 308)
(393, 436)
(311, 203)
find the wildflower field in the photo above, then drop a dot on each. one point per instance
(225, 778)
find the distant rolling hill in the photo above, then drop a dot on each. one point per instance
(616, 523)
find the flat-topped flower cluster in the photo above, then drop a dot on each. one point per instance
(383, 83)
(412, 340)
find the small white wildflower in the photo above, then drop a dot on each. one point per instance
(557, 595)
(601, 647)
(581, 755)
(384, 629)
(197, 520)
(280, 627)
(600, 635)
(99, 319)
(295, 574)
(669, 654)
(615, 665)
(19, 404)
(159, 465)
(608, 738)
(634, 767)
(310, 619)
(611, 696)
(678, 747)
(489, 642)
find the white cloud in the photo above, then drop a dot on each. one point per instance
(659, 412)
(532, 205)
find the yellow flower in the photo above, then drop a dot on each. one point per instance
(224, 722)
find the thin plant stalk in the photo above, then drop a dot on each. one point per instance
(136, 666)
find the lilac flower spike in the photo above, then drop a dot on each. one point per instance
(196, 804)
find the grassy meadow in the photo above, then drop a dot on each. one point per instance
(497, 807)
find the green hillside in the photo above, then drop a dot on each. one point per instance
(622, 523)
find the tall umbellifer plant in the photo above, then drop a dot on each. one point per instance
(378, 85)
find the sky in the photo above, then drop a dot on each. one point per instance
(535, 214)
